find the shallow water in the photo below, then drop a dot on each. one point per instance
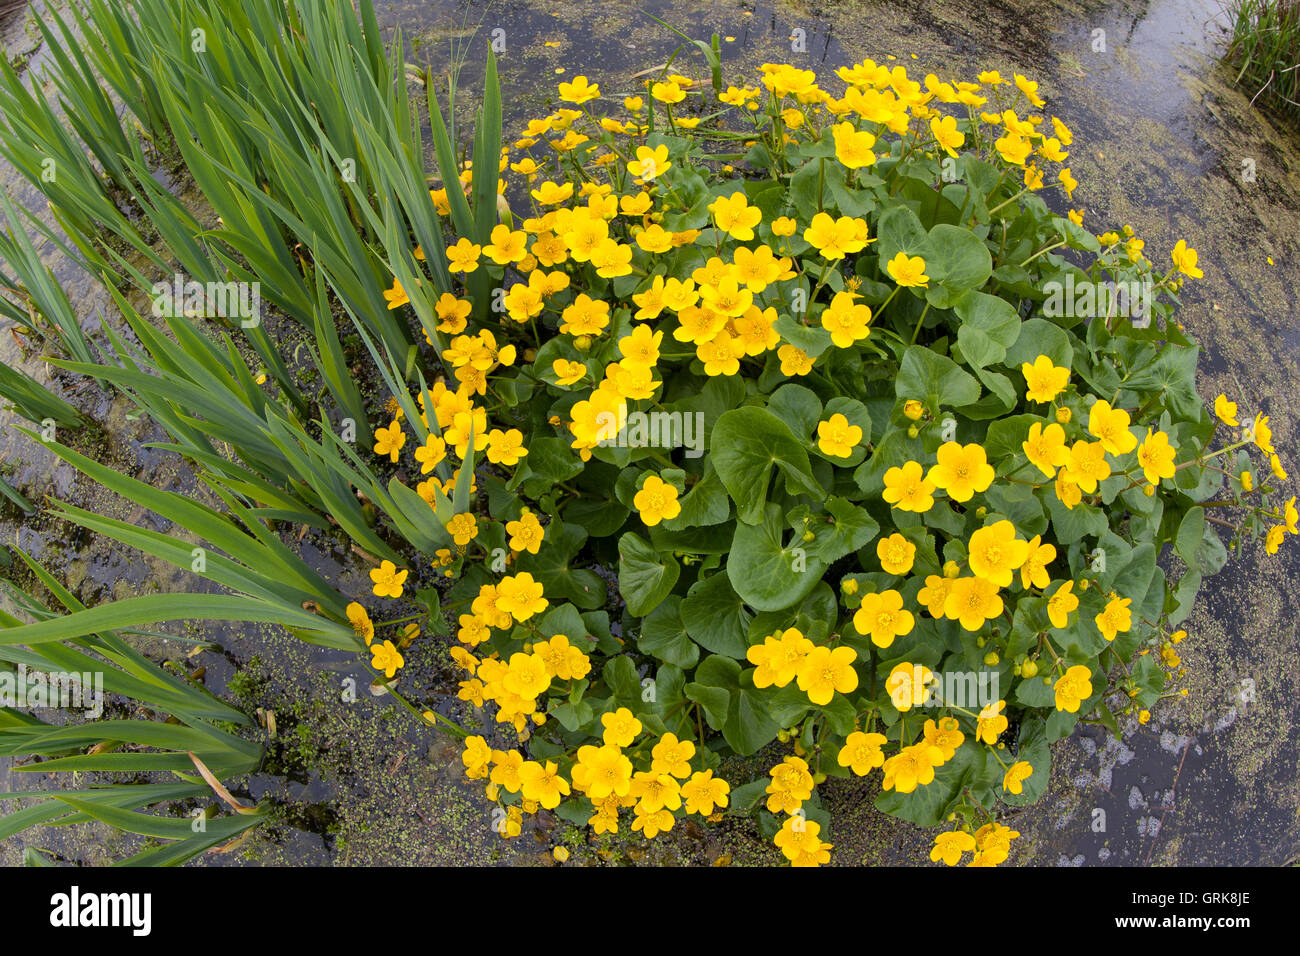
(1160, 143)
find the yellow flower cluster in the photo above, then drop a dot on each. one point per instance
(607, 776)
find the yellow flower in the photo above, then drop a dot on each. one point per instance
(990, 723)
(1060, 604)
(1273, 540)
(791, 785)
(641, 347)
(703, 792)
(907, 488)
(794, 360)
(1068, 183)
(543, 783)
(463, 528)
(463, 256)
(579, 91)
(656, 501)
(1111, 426)
(1045, 447)
(1044, 379)
(388, 580)
(1013, 148)
(585, 316)
(778, 658)
(784, 226)
(882, 617)
(853, 147)
(601, 772)
(1016, 775)
(947, 135)
(672, 756)
(385, 658)
(1156, 456)
(861, 752)
(1262, 435)
(949, 847)
(908, 685)
(907, 271)
(567, 372)
(911, 767)
(505, 448)
(946, 735)
(396, 296)
(1117, 618)
(721, 354)
(506, 246)
(846, 320)
(935, 594)
(836, 437)
(472, 631)
(389, 441)
(477, 757)
(360, 621)
(961, 470)
(972, 601)
(552, 194)
(526, 533)
(430, 453)
(824, 671)
(1086, 467)
(1033, 573)
(1072, 688)
(651, 161)
(1030, 89)
(521, 596)
(1185, 260)
(836, 238)
(995, 553)
(563, 659)
(654, 239)
(735, 216)
(621, 727)
(1226, 410)
(652, 822)
(896, 554)
(800, 842)
(667, 93)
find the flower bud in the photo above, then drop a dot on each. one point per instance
(913, 409)
(1063, 415)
